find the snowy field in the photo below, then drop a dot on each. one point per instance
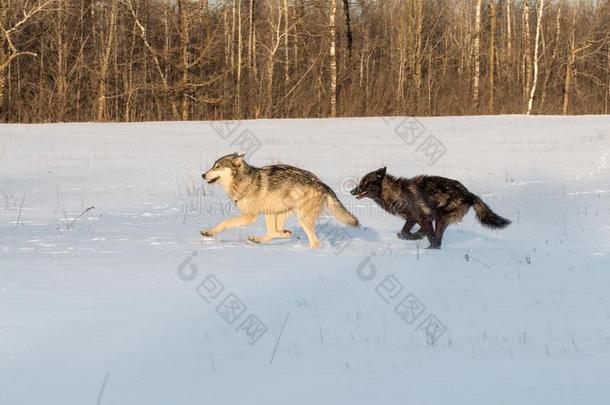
(125, 303)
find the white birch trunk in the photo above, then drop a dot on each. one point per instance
(477, 55)
(536, 46)
(333, 59)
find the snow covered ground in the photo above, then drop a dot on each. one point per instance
(128, 304)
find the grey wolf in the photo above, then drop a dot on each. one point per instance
(274, 191)
(431, 202)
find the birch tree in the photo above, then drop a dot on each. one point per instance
(536, 46)
(527, 57)
(333, 58)
(477, 55)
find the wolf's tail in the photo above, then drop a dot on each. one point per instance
(339, 211)
(486, 216)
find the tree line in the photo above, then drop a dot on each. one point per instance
(137, 60)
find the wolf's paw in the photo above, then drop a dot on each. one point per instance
(314, 245)
(285, 233)
(254, 239)
(207, 233)
(409, 236)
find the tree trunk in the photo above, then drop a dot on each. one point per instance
(509, 32)
(3, 56)
(129, 81)
(61, 81)
(417, 55)
(232, 38)
(237, 113)
(101, 92)
(348, 28)
(333, 59)
(567, 83)
(185, 56)
(527, 58)
(2, 80)
(608, 78)
(286, 49)
(491, 54)
(536, 46)
(550, 71)
(250, 37)
(477, 56)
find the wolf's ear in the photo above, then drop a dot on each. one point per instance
(238, 160)
(380, 174)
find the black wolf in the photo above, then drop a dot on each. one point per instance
(431, 202)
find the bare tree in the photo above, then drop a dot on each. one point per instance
(274, 20)
(286, 47)
(239, 64)
(551, 68)
(162, 76)
(185, 57)
(570, 56)
(527, 57)
(9, 30)
(536, 46)
(101, 97)
(608, 78)
(477, 55)
(509, 32)
(250, 36)
(491, 55)
(333, 58)
(348, 28)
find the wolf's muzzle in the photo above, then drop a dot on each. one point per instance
(358, 193)
(210, 181)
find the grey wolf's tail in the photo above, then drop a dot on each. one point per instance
(339, 211)
(486, 216)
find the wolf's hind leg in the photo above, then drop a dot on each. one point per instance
(309, 226)
(272, 221)
(307, 214)
(279, 225)
(440, 224)
(428, 230)
(446, 217)
(229, 223)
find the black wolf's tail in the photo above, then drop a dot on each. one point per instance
(486, 216)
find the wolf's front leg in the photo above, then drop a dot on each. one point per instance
(406, 234)
(229, 223)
